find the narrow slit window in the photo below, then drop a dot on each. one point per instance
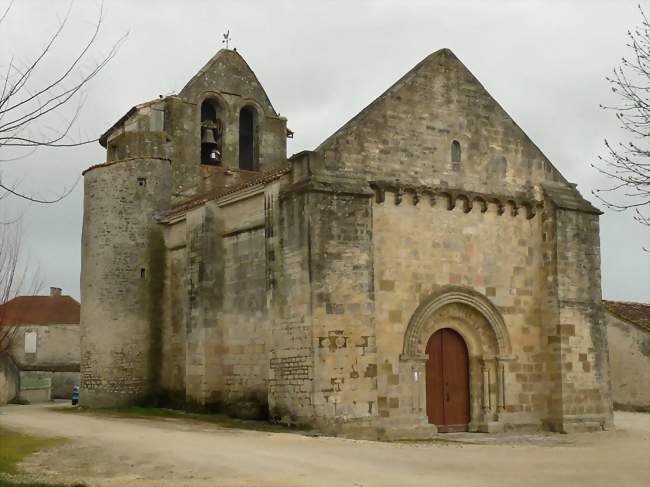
(455, 151)
(142, 181)
(143, 273)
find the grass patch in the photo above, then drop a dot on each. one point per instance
(15, 446)
(218, 419)
(8, 483)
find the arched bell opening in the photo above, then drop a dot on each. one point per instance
(248, 150)
(211, 132)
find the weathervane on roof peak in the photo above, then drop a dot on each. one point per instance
(226, 39)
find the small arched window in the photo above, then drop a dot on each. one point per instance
(455, 151)
(211, 132)
(248, 139)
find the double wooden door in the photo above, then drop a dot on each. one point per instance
(447, 381)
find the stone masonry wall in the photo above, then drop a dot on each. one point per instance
(120, 203)
(342, 286)
(577, 337)
(228, 79)
(408, 131)
(629, 357)
(291, 354)
(57, 347)
(173, 363)
(418, 249)
(244, 315)
(201, 294)
(222, 263)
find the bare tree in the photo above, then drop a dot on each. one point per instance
(28, 101)
(627, 163)
(16, 277)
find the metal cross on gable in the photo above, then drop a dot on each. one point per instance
(226, 38)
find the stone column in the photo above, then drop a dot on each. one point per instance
(501, 385)
(486, 388)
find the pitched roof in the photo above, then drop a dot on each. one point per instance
(434, 59)
(232, 62)
(104, 137)
(635, 313)
(31, 310)
(569, 198)
(250, 179)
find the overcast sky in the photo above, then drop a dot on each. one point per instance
(321, 62)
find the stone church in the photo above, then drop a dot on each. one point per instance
(426, 268)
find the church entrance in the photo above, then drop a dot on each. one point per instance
(447, 381)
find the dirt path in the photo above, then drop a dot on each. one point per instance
(141, 452)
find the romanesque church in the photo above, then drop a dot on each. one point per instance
(424, 269)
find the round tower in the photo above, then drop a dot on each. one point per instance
(119, 262)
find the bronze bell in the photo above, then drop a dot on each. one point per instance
(208, 136)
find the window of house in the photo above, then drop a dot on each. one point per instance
(30, 342)
(455, 151)
(211, 132)
(247, 139)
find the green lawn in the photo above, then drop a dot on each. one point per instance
(14, 447)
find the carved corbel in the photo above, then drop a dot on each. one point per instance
(451, 201)
(432, 198)
(514, 211)
(501, 208)
(483, 204)
(398, 195)
(416, 198)
(468, 204)
(531, 211)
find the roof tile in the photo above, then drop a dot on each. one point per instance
(635, 313)
(30, 310)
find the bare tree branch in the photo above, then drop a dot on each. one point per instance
(27, 100)
(628, 164)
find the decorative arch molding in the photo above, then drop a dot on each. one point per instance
(455, 295)
(219, 98)
(254, 104)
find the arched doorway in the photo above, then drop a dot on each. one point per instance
(447, 381)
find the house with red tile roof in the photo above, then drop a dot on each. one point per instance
(41, 335)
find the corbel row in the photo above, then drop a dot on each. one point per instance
(453, 197)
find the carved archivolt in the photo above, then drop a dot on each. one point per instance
(454, 295)
(452, 197)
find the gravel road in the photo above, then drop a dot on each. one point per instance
(110, 451)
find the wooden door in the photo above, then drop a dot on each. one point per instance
(447, 381)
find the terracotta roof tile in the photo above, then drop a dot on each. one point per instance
(635, 313)
(262, 178)
(29, 310)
